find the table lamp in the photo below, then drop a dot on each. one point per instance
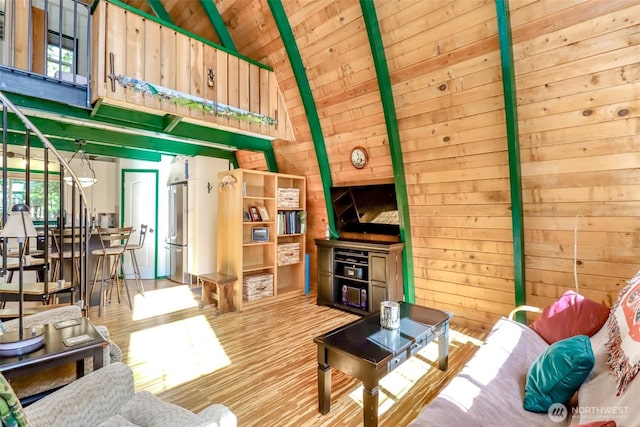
(20, 226)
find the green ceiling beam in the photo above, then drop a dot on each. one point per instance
(290, 45)
(513, 145)
(170, 122)
(135, 120)
(129, 118)
(17, 138)
(160, 11)
(187, 33)
(218, 24)
(395, 147)
(117, 140)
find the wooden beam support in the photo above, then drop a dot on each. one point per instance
(170, 122)
(290, 45)
(391, 121)
(159, 10)
(218, 24)
(513, 145)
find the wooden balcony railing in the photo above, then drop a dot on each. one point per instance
(141, 63)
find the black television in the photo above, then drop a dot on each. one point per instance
(369, 209)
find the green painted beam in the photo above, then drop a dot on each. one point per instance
(234, 161)
(270, 158)
(237, 140)
(513, 145)
(117, 140)
(187, 33)
(218, 24)
(290, 45)
(69, 145)
(160, 11)
(123, 117)
(170, 121)
(130, 118)
(395, 148)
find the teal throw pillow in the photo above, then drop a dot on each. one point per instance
(558, 373)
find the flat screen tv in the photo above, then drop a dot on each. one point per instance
(366, 209)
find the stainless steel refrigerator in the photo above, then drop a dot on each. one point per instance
(177, 238)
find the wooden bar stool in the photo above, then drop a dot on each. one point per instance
(113, 243)
(134, 260)
(67, 246)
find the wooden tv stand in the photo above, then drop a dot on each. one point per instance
(357, 275)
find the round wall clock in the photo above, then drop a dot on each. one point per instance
(359, 157)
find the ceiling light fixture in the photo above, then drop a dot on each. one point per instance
(87, 176)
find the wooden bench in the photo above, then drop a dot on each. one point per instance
(217, 288)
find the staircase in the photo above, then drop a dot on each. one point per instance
(48, 187)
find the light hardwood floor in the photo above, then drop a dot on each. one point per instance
(261, 363)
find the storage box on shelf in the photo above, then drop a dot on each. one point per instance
(288, 253)
(264, 211)
(257, 286)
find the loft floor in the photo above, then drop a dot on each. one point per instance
(261, 363)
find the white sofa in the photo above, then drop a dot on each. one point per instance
(107, 398)
(489, 390)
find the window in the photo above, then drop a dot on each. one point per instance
(17, 193)
(60, 55)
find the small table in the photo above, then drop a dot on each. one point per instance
(54, 352)
(365, 350)
(218, 287)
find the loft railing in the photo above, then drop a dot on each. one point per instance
(79, 206)
(45, 49)
(47, 37)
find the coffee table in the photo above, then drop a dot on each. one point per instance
(56, 351)
(365, 350)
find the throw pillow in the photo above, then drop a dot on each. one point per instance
(558, 373)
(570, 315)
(11, 412)
(623, 344)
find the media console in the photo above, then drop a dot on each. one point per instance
(356, 275)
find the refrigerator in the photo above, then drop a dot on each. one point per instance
(177, 236)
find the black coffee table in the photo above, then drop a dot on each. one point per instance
(363, 349)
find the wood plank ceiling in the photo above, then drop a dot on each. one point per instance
(444, 62)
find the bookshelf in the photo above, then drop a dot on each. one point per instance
(261, 234)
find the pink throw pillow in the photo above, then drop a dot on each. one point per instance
(569, 316)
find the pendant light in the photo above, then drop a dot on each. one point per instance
(86, 176)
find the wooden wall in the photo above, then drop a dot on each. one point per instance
(577, 89)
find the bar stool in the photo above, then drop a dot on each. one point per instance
(134, 260)
(113, 243)
(67, 246)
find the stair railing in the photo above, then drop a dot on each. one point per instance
(76, 190)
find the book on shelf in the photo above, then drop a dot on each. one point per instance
(291, 222)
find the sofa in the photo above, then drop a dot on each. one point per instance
(106, 398)
(59, 376)
(517, 362)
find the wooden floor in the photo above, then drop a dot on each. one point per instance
(260, 363)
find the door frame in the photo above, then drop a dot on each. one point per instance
(155, 172)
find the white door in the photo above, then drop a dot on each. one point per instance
(140, 207)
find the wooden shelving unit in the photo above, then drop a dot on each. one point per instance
(243, 249)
